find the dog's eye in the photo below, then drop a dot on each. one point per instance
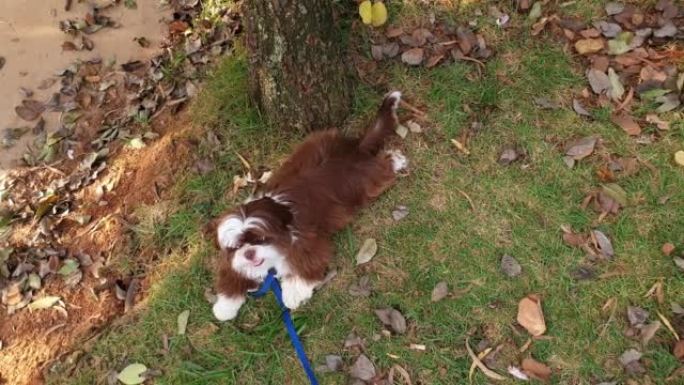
(260, 240)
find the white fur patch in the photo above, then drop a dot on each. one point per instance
(396, 95)
(268, 256)
(230, 230)
(226, 308)
(296, 291)
(399, 161)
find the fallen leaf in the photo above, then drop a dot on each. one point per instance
(613, 8)
(400, 212)
(603, 244)
(573, 239)
(546, 103)
(183, 321)
(535, 12)
(367, 251)
(401, 130)
(30, 109)
(333, 363)
(390, 49)
(413, 56)
(510, 266)
(630, 356)
(667, 30)
(627, 123)
(616, 193)
(648, 332)
(404, 374)
(517, 373)
(679, 158)
(589, 46)
(598, 80)
(132, 290)
(69, 267)
(132, 374)
(353, 340)
(677, 308)
(581, 148)
(378, 14)
(530, 315)
(361, 289)
(536, 369)
(376, 52)
(661, 124)
(366, 11)
(678, 350)
(583, 273)
(392, 318)
(43, 303)
(667, 249)
(508, 156)
(579, 108)
(618, 47)
(363, 369)
(440, 291)
(679, 262)
(636, 316)
(616, 90)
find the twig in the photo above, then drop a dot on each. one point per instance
(411, 108)
(610, 319)
(472, 205)
(487, 372)
(628, 98)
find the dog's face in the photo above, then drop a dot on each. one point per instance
(255, 236)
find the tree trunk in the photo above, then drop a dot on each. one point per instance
(298, 75)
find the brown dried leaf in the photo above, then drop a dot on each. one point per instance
(581, 148)
(536, 369)
(434, 60)
(363, 369)
(678, 350)
(30, 109)
(648, 332)
(394, 32)
(661, 124)
(530, 315)
(579, 108)
(413, 56)
(589, 46)
(627, 123)
(133, 287)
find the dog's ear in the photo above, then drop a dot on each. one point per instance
(209, 231)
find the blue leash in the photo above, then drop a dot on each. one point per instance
(271, 284)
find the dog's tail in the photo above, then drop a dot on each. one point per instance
(385, 124)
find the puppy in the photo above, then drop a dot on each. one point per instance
(289, 226)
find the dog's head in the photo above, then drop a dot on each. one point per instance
(254, 236)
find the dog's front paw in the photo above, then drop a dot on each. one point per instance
(296, 291)
(226, 308)
(399, 161)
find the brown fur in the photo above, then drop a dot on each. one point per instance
(325, 181)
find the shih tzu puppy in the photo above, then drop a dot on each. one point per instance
(289, 226)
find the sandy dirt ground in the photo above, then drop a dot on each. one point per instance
(31, 45)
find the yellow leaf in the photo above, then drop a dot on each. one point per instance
(679, 158)
(379, 14)
(366, 11)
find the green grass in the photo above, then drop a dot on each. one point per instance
(518, 210)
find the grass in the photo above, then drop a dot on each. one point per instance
(518, 210)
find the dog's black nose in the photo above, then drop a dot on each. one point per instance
(250, 254)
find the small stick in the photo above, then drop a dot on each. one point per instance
(411, 108)
(472, 205)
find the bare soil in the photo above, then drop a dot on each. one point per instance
(31, 45)
(34, 340)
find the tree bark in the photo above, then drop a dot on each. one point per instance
(299, 76)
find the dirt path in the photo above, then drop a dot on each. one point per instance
(31, 45)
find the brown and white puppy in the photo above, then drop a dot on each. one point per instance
(289, 226)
